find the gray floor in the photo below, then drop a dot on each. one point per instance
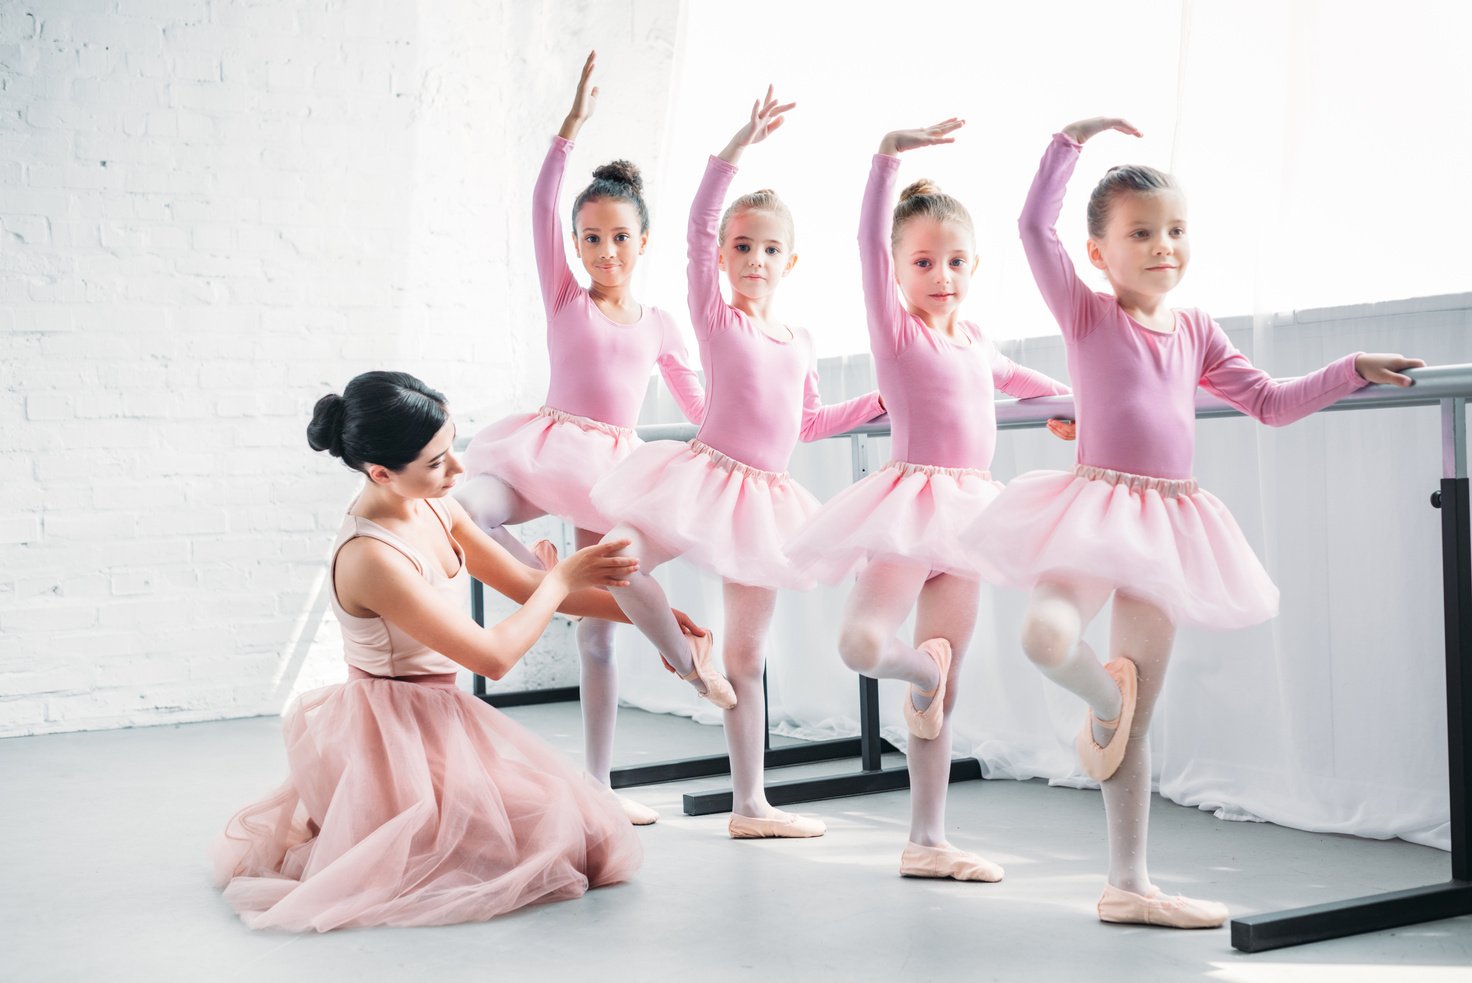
(103, 838)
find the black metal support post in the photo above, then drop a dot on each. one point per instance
(516, 698)
(1258, 933)
(872, 776)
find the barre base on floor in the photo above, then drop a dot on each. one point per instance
(827, 787)
(707, 766)
(1373, 913)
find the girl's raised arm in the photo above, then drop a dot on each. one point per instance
(887, 318)
(703, 272)
(1066, 295)
(558, 285)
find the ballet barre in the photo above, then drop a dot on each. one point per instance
(869, 747)
(1446, 386)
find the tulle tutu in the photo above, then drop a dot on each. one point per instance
(413, 803)
(553, 459)
(910, 510)
(691, 500)
(1165, 541)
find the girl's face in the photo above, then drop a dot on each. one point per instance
(756, 253)
(1145, 249)
(430, 475)
(608, 240)
(933, 263)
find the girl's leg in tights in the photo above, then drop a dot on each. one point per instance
(947, 609)
(598, 688)
(492, 505)
(748, 616)
(1142, 633)
(882, 597)
(645, 603)
(1052, 633)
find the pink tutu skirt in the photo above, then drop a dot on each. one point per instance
(413, 803)
(915, 511)
(692, 501)
(553, 459)
(1163, 540)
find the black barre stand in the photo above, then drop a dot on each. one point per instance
(1316, 923)
(868, 747)
(872, 776)
(515, 698)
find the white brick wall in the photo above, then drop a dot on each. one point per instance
(210, 214)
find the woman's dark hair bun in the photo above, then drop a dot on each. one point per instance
(382, 418)
(324, 433)
(622, 171)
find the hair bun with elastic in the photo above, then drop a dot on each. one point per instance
(324, 433)
(622, 171)
(924, 186)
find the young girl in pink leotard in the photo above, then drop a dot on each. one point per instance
(724, 501)
(602, 343)
(899, 528)
(1129, 520)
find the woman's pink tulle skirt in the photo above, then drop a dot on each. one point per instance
(1165, 541)
(690, 500)
(413, 803)
(553, 459)
(911, 510)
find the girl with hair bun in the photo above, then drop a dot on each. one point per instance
(724, 500)
(898, 528)
(602, 343)
(1129, 520)
(409, 801)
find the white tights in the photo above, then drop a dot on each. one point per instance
(748, 616)
(492, 505)
(945, 607)
(1142, 633)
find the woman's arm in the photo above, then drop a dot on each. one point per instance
(371, 575)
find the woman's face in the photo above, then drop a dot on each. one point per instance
(430, 475)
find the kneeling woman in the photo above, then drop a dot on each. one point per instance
(410, 802)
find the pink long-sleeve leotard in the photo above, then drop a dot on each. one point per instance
(599, 367)
(761, 393)
(939, 394)
(1134, 388)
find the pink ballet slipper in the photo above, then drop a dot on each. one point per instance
(779, 825)
(945, 861)
(1101, 763)
(1158, 908)
(639, 814)
(926, 724)
(717, 688)
(545, 552)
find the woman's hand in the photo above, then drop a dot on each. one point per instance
(1081, 131)
(596, 566)
(766, 115)
(583, 103)
(1063, 429)
(1386, 369)
(899, 141)
(687, 623)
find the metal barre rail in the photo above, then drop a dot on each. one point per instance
(1449, 386)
